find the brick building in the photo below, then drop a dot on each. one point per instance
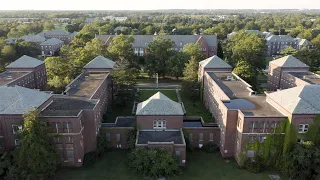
(63, 35)
(288, 72)
(208, 43)
(75, 116)
(51, 47)
(26, 72)
(245, 116)
(161, 123)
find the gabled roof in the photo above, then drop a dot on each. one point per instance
(180, 40)
(25, 62)
(57, 32)
(214, 62)
(18, 100)
(159, 104)
(288, 62)
(33, 38)
(52, 41)
(299, 100)
(100, 62)
(280, 38)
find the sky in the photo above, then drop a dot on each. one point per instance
(156, 4)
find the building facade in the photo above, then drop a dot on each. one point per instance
(245, 116)
(208, 43)
(26, 72)
(51, 47)
(63, 35)
(75, 116)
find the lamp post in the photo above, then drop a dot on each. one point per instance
(157, 80)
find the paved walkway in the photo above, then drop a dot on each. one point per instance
(161, 85)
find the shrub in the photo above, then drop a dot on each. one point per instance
(101, 145)
(153, 162)
(131, 138)
(90, 158)
(211, 148)
(254, 165)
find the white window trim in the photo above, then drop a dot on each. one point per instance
(304, 129)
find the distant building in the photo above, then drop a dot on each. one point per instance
(208, 43)
(26, 72)
(33, 38)
(118, 19)
(59, 34)
(288, 72)
(51, 46)
(277, 43)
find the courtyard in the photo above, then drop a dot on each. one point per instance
(200, 165)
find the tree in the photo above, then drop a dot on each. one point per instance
(121, 51)
(311, 57)
(303, 161)
(125, 78)
(153, 162)
(247, 72)
(289, 51)
(27, 48)
(193, 50)
(316, 41)
(176, 64)
(190, 72)
(8, 54)
(36, 158)
(48, 26)
(220, 50)
(159, 52)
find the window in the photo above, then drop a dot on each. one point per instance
(190, 137)
(108, 136)
(69, 140)
(211, 137)
(177, 153)
(15, 128)
(67, 127)
(16, 142)
(201, 137)
(70, 154)
(159, 124)
(57, 140)
(118, 137)
(303, 128)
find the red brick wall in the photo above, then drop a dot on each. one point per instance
(206, 135)
(113, 131)
(172, 122)
(289, 81)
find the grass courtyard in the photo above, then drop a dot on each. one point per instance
(200, 165)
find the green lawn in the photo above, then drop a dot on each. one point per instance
(145, 94)
(200, 166)
(118, 111)
(197, 109)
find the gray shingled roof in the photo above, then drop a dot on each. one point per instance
(280, 38)
(299, 100)
(57, 32)
(33, 38)
(214, 62)
(52, 41)
(100, 62)
(144, 40)
(159, 104)
(18, 100)
(25, 62)
(288, 62)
